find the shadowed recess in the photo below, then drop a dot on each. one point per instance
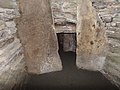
(69, 78)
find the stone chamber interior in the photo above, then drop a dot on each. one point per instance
(24, 22)
(70, 77)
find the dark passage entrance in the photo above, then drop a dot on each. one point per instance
(70, 78)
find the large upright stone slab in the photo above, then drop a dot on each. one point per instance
(91, 38)
(38, 37)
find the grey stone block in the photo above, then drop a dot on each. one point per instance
(7, 4)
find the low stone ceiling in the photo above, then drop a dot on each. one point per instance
(64, 11)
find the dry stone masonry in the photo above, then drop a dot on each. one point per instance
(65, 19)
(64, 15)
(108, 11)
(11, 53)
(38, 47)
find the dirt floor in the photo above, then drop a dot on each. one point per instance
(69, 78)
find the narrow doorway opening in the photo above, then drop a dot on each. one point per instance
(70, 78)
(67, 50)
(67, 42)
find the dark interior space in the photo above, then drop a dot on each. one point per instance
(70, 78)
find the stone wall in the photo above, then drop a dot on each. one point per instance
(65, 12)
(109, 12)
(64, 15)
(11, 53)
(65, 18)
(91, 38)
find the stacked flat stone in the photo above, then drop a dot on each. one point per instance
(64, 15)
(64, 11)
(65, 18)
(11, 53)
(109, 11)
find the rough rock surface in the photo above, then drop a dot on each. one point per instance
(12, 63)
(65, 18)
(64, 15)
(91, 38)
(109, 12)
(64, 11)
(38, 37)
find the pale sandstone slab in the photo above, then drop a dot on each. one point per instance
(38, 37)
(91, 38)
